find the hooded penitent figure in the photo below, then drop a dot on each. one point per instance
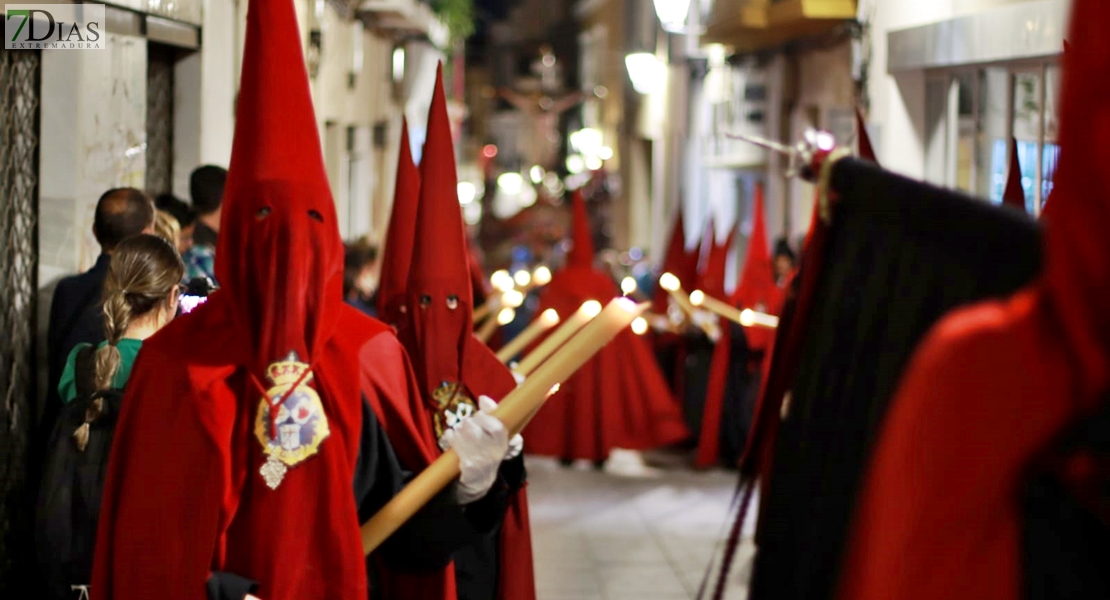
(866, 151)
(619, 399)
(670, 348)
(734, 373)
(261, 429)
(1014, 194)
(398, 241)
(454, 369)
(989, 478)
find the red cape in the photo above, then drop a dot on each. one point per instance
(619, 399)
(185, 444)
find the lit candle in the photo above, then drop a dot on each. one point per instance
(586, 312)
(512, 299)
(640, 326)
(522, 278)
(501, 280)
(484, 310)
(504, 317)
(673, 286)
(548, 319)
(754, 318)
(744, 318)
(628, 285)
(514, 411)
(541, 276)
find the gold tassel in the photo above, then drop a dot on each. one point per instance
(81, 436)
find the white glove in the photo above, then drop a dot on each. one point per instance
(518, 377)
(482, 442)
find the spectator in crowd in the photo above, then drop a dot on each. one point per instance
(360, 276)
(206, 186)
(784, 261)
(141, 292)
(75, 313)
(167, 227)
(186, 218)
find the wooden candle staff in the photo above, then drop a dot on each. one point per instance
(504, 317)
(514, 411)
(744, 318)
(586, 312)
(548, 319)
(673, 286)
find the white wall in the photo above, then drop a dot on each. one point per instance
(898, 102)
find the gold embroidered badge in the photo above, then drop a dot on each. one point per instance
(453, 405)
(301, 424)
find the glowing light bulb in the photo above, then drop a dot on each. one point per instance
(697, 297)
(628, 285)
(669, 282)
(591, 308)
(506, 316)
(541, 276)
(522, 278)
(639, 326)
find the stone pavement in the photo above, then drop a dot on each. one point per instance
(604, 537)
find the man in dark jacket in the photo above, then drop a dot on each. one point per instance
(75, 311)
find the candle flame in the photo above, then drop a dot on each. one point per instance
(628, 285)
(550, 316)
(669, 282)
(541, 276)
(501, 280)
(747, 317)
(512, 298)
(522, 278)
(591, 308)
(697, 297)
(506, 316)
(639, 326)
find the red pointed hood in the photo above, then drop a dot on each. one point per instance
(866, 151)
(1014, 195)
(582, 253)
(439, 298)
(757, 280)
(676, 261)
(399, 238)
(279, 257)
(1078, 267)
(712, 278)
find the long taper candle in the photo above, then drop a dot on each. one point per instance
(744, 318)
(514, 411)
(548, 319)
(586, 312)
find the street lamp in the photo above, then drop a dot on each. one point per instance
(672, 14)
(647, 72)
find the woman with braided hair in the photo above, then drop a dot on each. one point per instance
(141, 293)
(140, 297)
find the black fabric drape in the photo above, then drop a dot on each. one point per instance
(900, 254)
(1065, 535)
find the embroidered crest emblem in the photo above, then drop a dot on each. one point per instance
(301, 425)
(453, 406)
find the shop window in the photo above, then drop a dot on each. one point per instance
(971, 116)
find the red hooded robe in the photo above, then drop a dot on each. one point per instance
(619, 399)
(398, 242)
(757, 290)
(190, 485)
(995, 383)
(453, 367)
